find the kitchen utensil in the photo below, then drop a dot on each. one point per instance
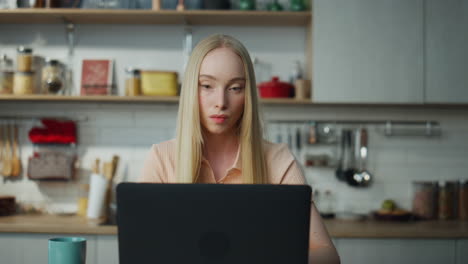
(362, 177)
(16, 162)
(7, 168)
(349, 159)
(340, 175)
(1, 150)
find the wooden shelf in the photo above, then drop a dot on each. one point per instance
(121, 99)
(175, 99)
(164, 17)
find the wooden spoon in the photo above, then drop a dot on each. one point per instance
(15, 162)
(1, 149)
(6, 171)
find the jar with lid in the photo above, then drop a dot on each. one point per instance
(52, 77)
(463, 200)
(6, 75)
(446, 200)
(23, 83)
(132, 82)
(24, 59)
(425, 200)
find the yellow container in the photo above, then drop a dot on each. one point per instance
(159, 83)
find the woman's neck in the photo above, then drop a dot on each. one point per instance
(220, 144)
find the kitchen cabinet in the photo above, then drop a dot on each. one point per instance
(446, 51)
(397, 251)
(108, 248)
(368, 51)
(462, 251)
(33, 248)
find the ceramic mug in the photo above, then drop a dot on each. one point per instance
(67, 250)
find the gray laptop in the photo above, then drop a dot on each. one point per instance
(213, 223)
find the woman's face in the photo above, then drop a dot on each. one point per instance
(221, 91)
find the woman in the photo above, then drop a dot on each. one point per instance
(219, 134)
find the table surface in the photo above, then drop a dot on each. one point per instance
(336, 228)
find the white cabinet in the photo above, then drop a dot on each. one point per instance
(368, 51)
(462, 251)
(399, 251)
(446, 51)
(33, 248)
(108, 249)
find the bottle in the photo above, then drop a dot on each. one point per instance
(296, 73)
(132, 82)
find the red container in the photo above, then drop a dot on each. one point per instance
(275, 89)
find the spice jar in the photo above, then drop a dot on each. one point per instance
(6, 75)
(23, 83)
(132, 82)
(425, 199)
(24, 59)
(446, 200)
(463, 200)
(52, 77)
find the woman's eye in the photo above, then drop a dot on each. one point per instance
(236, 89)
(205, 86)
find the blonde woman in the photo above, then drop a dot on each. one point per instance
(219, 134)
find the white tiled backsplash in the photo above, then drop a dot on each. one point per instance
(129, 130)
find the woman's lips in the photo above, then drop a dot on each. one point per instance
(218, 119)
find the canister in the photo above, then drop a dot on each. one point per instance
(24, 59)
(23, 83)
(463, 200)
(425, 199)
(132, 82)
(159, 83)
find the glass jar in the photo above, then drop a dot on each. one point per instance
(83, 200)
(132, 82)
(446, 200)
(6, 75)
(24, 59)
(463, 200)
(23, 83)
(425, 199)
(52, 77)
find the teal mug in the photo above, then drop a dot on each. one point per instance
(67, 250)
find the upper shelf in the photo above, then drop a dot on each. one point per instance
(175, 99)
(122, 99)
(164, 17)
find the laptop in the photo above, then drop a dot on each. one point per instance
(213, 223)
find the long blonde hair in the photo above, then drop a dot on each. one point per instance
(189, 139)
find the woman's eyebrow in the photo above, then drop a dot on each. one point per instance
(214, 78)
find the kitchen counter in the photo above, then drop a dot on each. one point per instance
(336, 228)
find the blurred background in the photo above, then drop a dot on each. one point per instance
(370, 95)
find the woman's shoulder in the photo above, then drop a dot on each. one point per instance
(277, 152)
(164, 148)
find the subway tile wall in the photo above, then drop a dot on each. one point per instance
(129, 130)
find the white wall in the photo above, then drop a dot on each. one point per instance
(129, 129)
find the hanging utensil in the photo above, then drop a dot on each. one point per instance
(1, 149)
(16, 161)
(339, 170)
(362, 176)
(6, 171)
(349, 168)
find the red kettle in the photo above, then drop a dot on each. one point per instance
(275, 89)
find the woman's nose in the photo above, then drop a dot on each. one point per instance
(221, 100)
